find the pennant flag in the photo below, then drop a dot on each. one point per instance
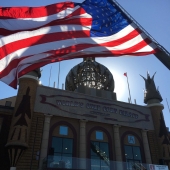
(125, 74)
(31, 37)
(130, 99)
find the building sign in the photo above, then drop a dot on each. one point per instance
(131, 139)
(80, 106)
(158, 167)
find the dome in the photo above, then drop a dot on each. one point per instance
(91, 74)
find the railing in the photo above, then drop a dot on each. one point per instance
(55, 162)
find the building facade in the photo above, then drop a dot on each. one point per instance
(82, 127)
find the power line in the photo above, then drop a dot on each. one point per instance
(50, 76)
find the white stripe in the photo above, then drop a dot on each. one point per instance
(122, 46)
(10, 77)
(40, 48)
(126, 45)
(22, 65)
(85, 15)
(37, 58)
(148, 48)
(62, 28)
(36, 49)
(130, 43)
(42, 31)
(101, 50)
(116, 36)
(52, 29)
(29, 23)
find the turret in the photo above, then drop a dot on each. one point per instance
(158, 139)
(22, 116)
(152, 94)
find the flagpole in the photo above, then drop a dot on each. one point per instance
(128, 88)
(167, 104)
(50, 77)
(59, 75)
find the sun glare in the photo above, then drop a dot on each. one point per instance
(119, 85)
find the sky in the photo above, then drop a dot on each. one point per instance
(153, 16)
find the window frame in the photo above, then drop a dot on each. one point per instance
(130, 159)
(94, 157)
(61, 154)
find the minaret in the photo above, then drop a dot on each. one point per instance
(23, 112)
(158, 139)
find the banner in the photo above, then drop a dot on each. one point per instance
(158, 167)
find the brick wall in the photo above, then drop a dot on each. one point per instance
(28, 160)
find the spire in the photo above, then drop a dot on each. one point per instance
(151, 93)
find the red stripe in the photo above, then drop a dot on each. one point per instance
(79, 47)
(67, 21)
(76, 21)
(33, 12)
(14, 83)
(132, 49)
(59, 53)
(41, 39)
(38, 65)
(108, 54)
(11, 47)
(122, 40)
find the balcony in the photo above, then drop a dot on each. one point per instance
(55, 163)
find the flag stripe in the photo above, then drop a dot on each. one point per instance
(13, 39)
(118, 50)
(87, 49)
(45, 45)
(70, 19)
(33, 12)
(56, 55)
(40, 39)
(45, 30)
(28, 23)
(51, 36)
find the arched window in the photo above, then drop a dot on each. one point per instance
(61, 150)
(132, 150)
(100, 157)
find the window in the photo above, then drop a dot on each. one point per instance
(99, 156)
(61, 153)
(8, 103)
(99, 135)
(132, 155)
(131, 139)
(63, 130)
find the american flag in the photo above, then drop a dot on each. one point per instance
(31, 37)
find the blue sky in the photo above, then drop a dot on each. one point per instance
(153, 16)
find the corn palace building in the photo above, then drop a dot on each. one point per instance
(82, 127)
